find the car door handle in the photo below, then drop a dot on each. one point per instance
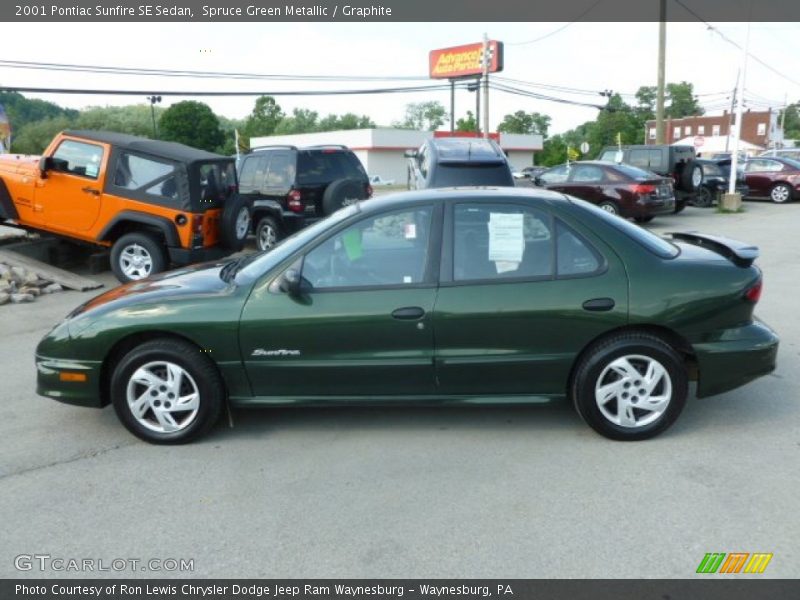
(599, 304)
(408, 313)
(92, 191)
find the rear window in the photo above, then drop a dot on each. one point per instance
(636, 172)
(469, 174)
(657, 245)
(315, 166)
(217, 180)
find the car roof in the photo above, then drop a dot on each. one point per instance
(473, 194)
(169, 150)
(465, 149)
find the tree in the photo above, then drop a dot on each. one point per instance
(301, 121)
(345, 121)
(791, 123)
(191, 123)
(681, 100)
(467, 123)
(134, 119)
(617, 118)
(33, 138)
(264, 118)
(423, 116)
(554, 152)
(22, 110)
(522, 122)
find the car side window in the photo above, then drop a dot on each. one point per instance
(133, 172)
(501, 241)
(575, 255)
(387, 250)
(586, 174)
(280, 173)
(555, 175)
(78, 158)
(249, 179)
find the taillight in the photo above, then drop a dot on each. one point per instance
(369, 191)
(753, 293)
(643, 189)
(197, 225)
(295, 201)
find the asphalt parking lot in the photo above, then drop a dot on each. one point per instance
(526, 491)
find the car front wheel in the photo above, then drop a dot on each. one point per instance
(167, 392)
(629, 387)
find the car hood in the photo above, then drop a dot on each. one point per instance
(204, 279)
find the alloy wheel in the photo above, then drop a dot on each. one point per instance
(242, 223)
(267, 237)
(163, 397)
(633, 391)
(135, 261)
(780, 194)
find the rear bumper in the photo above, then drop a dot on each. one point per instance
(649, 207)
(83, 393)
(187, 256)
(735, 357)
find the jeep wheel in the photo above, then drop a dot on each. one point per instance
(267, 233)
(342, 192)
(137, 255)
(704, 198)
(235, 222)
(691, 176)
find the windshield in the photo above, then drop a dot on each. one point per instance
(468, 174)
(255, 265)
(657, 245)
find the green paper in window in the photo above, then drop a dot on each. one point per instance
(352, 244)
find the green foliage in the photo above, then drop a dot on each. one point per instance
(522, 122)
(135, 119)
(22, 110)
(427, 116)
(345, 121)
(263, 119)
(191, 123)
(681, 101)
(554, 152)
(467, 123)
(791, 124)
(33, 138)
(302, 120)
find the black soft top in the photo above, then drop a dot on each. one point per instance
(169, 150)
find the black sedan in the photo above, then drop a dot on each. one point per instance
(716, 175)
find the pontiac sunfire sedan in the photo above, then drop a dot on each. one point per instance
(440, 296)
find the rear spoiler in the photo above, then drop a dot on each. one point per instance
(739, 253)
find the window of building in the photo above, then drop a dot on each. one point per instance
(652, 133)
(715, 130)
(762, 129)
(676, 133)
(688, 130)
(701, 130)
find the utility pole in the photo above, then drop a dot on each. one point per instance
(452, 105)
(485, 85)
(739, 105)
(662, 59)
(153, 100)
(783, 119)
(731, 116)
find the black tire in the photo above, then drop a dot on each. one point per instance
(593, 365)
(610, 207)
(144, 245)
(342, 192)
(691, 176)
(704, 198)
(646, 219)
(234, 230)
(679, 206)
(203, 375)
(781, 193)
(268, 233)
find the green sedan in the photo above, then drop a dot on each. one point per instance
(442, 296)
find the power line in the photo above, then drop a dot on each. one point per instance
(559, 29)
(730, 41)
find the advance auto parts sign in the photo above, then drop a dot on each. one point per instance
(464, 61)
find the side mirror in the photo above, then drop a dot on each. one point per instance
(45, 164)
(410, 153)
(290, 282)
(538, 181)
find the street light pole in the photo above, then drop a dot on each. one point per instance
(153, 100)
(662, 52)
(485, 85)
(739, 106)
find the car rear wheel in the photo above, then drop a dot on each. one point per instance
(629, 387)
(691, 176)
(781, 193)
(137, 255)
(704, 198)
(167, 392)
(267, 233)
(235, 222)
(646, 219)
(609, 206)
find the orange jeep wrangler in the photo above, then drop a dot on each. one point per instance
(153, 203)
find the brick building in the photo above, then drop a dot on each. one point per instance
(758, 127)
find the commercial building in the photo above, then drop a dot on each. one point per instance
(760, 128)
(381, 150)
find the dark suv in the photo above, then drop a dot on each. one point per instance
(677, 162)
(292, 187)
(449, 162)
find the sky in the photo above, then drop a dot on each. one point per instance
(589, 56)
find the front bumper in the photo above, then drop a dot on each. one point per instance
(735, 357)
(188, 256)
(79, 393)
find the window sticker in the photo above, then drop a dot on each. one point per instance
(92, 169)
(410, 231)
(506, 237)
(352, 244)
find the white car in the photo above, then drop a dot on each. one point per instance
(378, 180)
